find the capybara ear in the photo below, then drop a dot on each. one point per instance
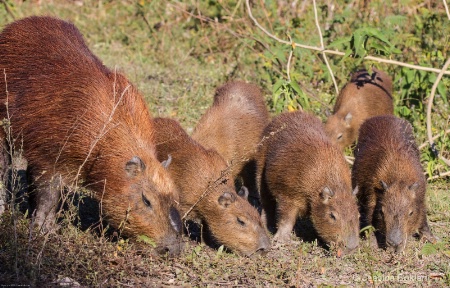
(383, 185)
(226, 199)
(243, 192)
(355, 191)
(414, 187)
(348, 118)
(167, 162)
(134, 167)
(326, 194)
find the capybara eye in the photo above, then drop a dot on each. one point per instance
(332, 216)
(146, 201)
(339, 137)
(411, 213)
(242, 223)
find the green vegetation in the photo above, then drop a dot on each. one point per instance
(177, 53)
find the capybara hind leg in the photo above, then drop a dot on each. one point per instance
(47, 197)
(287, 215)
(425, 231)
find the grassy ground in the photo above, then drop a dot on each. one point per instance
(177, 53)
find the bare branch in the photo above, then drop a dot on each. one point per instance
(425, 144)
(441, 175)
(323, 47)
(430, 105)
(446, 9)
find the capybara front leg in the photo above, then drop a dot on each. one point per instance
(425, 231)
(287, 215)
(47, 196)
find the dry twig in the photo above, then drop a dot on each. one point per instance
(430, 105)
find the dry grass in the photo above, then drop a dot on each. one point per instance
(177, 54)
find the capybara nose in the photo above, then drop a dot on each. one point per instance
(352, 243)
(170, 251)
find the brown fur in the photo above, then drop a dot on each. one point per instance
(83, 123)
(363, 97)
(387, 153)
(297, 168)
(230, 218)
(233, 126)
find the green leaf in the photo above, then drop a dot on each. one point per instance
(219, 251)
(380, 48)
(358, 43)
(277, 85)
(295, 86)
(147, 240)
(428, 249)
(339, 42)
(442, 91)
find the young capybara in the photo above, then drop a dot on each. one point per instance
(206, 191)
(363, 97)
(81, 123)
(391, 182)
(306, 175)
(233, 126)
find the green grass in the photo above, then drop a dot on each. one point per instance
(177, 60)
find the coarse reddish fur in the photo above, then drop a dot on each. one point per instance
(82, 123)
(196, 170)
(306, 175)
(386, 155)
(233, 126)
(363, 97)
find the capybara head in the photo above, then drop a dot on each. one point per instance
(237, 224)
(150, 211)
(397, 213)
(365, 96)
(335, 218)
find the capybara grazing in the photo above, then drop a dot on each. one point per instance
(81, 123)
(233, 126)
(207, 192)
(306, 175)
(363, 97)
(390, 178)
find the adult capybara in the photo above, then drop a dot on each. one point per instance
(233, 126)
(390, 178)
(82, 123)
(365, 96)
(307, 176)
(207, 192)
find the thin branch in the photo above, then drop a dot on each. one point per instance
(425, 144)
(441, 175)
(446, 9)
(8, 10)
(323, 47)
(430, 105)
(288, 69)
(335, 52)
